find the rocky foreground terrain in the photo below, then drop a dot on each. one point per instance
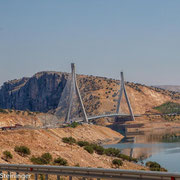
(50, 140)
(41, 141)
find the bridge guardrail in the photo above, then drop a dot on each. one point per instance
(98, 173)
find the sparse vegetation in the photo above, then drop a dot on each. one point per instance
(135, 86)
(22, 150)
(112, 152)
(114, 95)
(69, 140)
(37, 160)
(117, 162)
(83, 143)
(154, 166)
(45, 158)
(74, 124)
(128, 158)
(89, 149)
(7, 155)
(61, 161)
(98, 149)
(168, 108)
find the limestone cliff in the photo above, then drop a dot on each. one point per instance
(38, 93)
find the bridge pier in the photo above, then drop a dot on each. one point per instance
(123, 89)
(75, 88)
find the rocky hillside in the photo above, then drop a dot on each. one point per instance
(50, 141)
(42, 92)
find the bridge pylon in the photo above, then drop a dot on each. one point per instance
(123, 89)
(75, 89)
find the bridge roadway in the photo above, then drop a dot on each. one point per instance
(105, 115)
(122, 115)
(110, 115)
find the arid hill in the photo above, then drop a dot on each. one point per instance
(42, 93)
(170, 87)
(41, 141)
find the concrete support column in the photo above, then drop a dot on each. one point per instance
(74, 87)
(123, 89)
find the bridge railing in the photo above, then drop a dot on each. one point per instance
(83, 173)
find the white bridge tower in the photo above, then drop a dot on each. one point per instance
(74, 88)
(123, 89)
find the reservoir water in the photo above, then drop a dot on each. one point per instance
(162, 146)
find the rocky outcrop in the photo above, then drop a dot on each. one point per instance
(38, 93)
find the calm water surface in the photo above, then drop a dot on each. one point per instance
(162, 146)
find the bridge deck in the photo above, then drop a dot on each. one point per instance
(107, 115)
(110, 115)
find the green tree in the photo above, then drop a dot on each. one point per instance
(89, 149)
(69, 140)
(47, 157)
(61, 161)
(117, 162)
(7, 155)
(22, 150)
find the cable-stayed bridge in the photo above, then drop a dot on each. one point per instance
(71, 107)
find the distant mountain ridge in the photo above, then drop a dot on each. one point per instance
(170, 87)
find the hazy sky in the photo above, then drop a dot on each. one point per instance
(103, 37)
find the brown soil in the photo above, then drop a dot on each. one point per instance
(50, 140)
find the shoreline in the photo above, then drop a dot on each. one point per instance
(150, 127)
